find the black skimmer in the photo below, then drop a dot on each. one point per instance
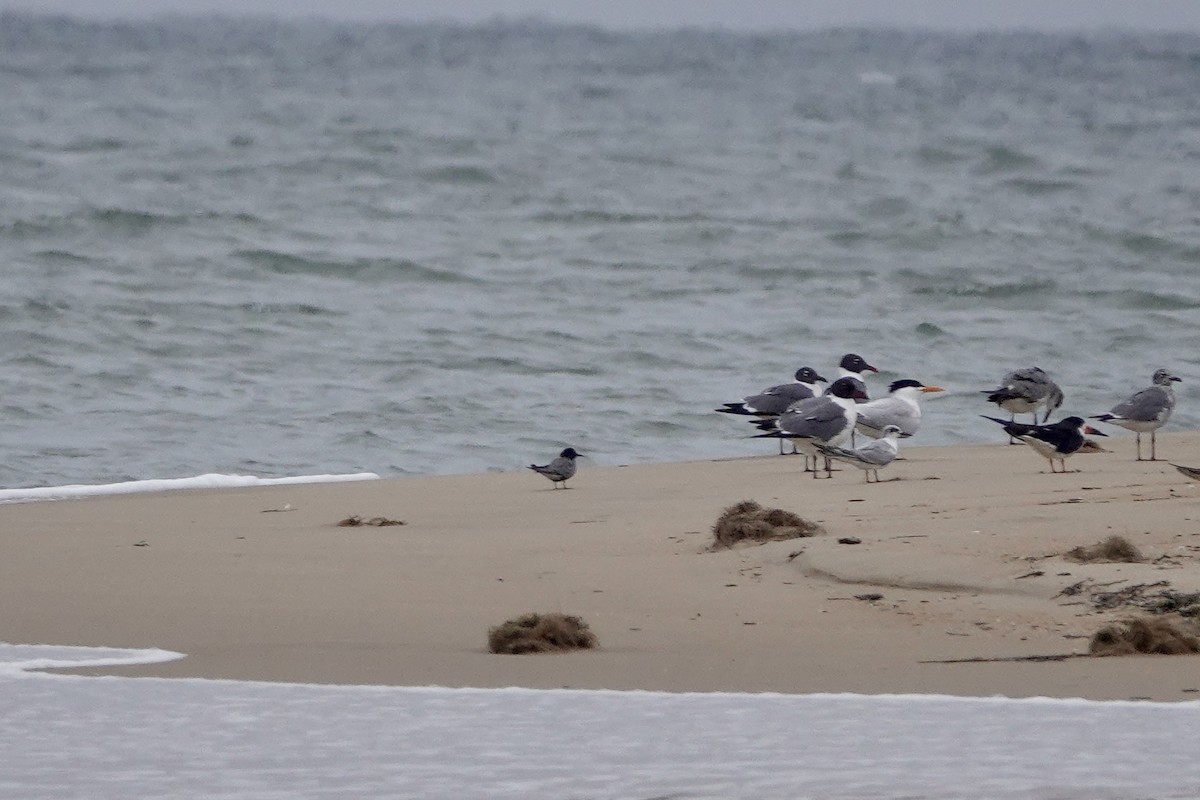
(560, 469)
(827, 419)
(1191, 472)
(899, 408)
(1024, 391)
(1146, 411)
(1056, 442)
(871, 456)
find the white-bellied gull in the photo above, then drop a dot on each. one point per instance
(1146, 411)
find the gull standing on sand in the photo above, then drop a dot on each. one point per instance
(774, 400)
(1146, 411)
(899, 409)
(560, 469)
(1024, 391)
(870, 457)
(1056, 442)
(827, 419)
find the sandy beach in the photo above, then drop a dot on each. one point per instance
(960, 556)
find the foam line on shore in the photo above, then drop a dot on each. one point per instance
(209, 481)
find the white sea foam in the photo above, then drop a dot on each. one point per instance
(211, 481)
(128, 738)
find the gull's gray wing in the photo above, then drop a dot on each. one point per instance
(818, 418)
(1149, 405)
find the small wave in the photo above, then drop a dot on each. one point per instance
(1145, 301)
(848, 238)
(1148, 244)
(210, 481)
(128, 221)
(599, 217)
(929, 330)
(62, 257)
(876, 78)
(94, 145)
(999, 159)
(934, 156)
(24, 657)
(291, 264)
(461, 175)
(988, 291)
(1039, 186)
(304, 309)
(1142, 243)
(886, 207)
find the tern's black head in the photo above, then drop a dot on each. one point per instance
(852, 362)
(903, 382)
(808, 375)
(570, 453)
(848, 388)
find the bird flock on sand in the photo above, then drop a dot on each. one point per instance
(822, 420)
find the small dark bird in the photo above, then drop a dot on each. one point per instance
(1055, 442)
(1146, 411)
(560, 469)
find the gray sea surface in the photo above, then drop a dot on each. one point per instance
(244, 245)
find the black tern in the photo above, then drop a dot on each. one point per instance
(560, 469)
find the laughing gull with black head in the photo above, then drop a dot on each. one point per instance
(560, 469)
(827, 419)
(1146, 411)
(899, 408)
(870, 457)
(853, 365)
(1056, 442)
(774, 400)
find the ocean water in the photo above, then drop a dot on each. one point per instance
(281, 249)
(127, 738)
